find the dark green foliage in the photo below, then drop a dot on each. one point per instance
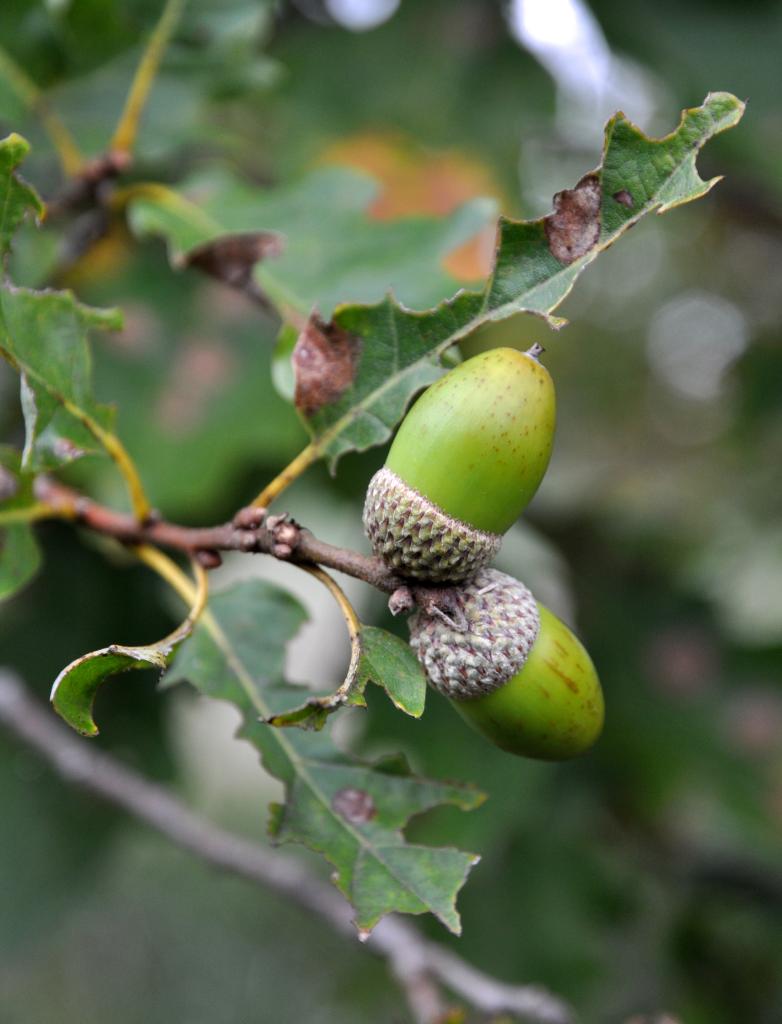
(642, 878)
(350, 811)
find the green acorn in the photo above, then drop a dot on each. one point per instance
(464, 464)
(512, 669)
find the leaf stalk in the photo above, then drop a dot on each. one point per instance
(127, 128)
(306, 457)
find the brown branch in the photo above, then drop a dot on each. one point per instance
(419, 965)
(91, 186)
(252, 531)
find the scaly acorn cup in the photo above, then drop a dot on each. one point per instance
(464, 464)
(512, 669)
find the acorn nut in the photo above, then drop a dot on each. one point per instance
(512, 669)
(466, 461)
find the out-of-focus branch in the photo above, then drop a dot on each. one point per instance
(420, 966)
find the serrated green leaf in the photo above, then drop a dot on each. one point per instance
(350, 811)
(390, 663)
(394, 352)
(331, 250)
(385, 660)
(17, 199)
(75, 688)
(44, 336)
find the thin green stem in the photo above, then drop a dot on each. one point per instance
(127, 128)
(292, 472)
(124, 463)
(33, 513)
(195, 594)
(354, 631)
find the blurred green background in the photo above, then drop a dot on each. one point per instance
(644, 877)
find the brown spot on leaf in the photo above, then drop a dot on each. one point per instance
(624, 197)
(325, 358)
(354, 805)
(574, 226)
(232, 258)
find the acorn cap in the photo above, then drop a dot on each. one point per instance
(479, 650)
(418, 539)
(513, 670)
(478, 441)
